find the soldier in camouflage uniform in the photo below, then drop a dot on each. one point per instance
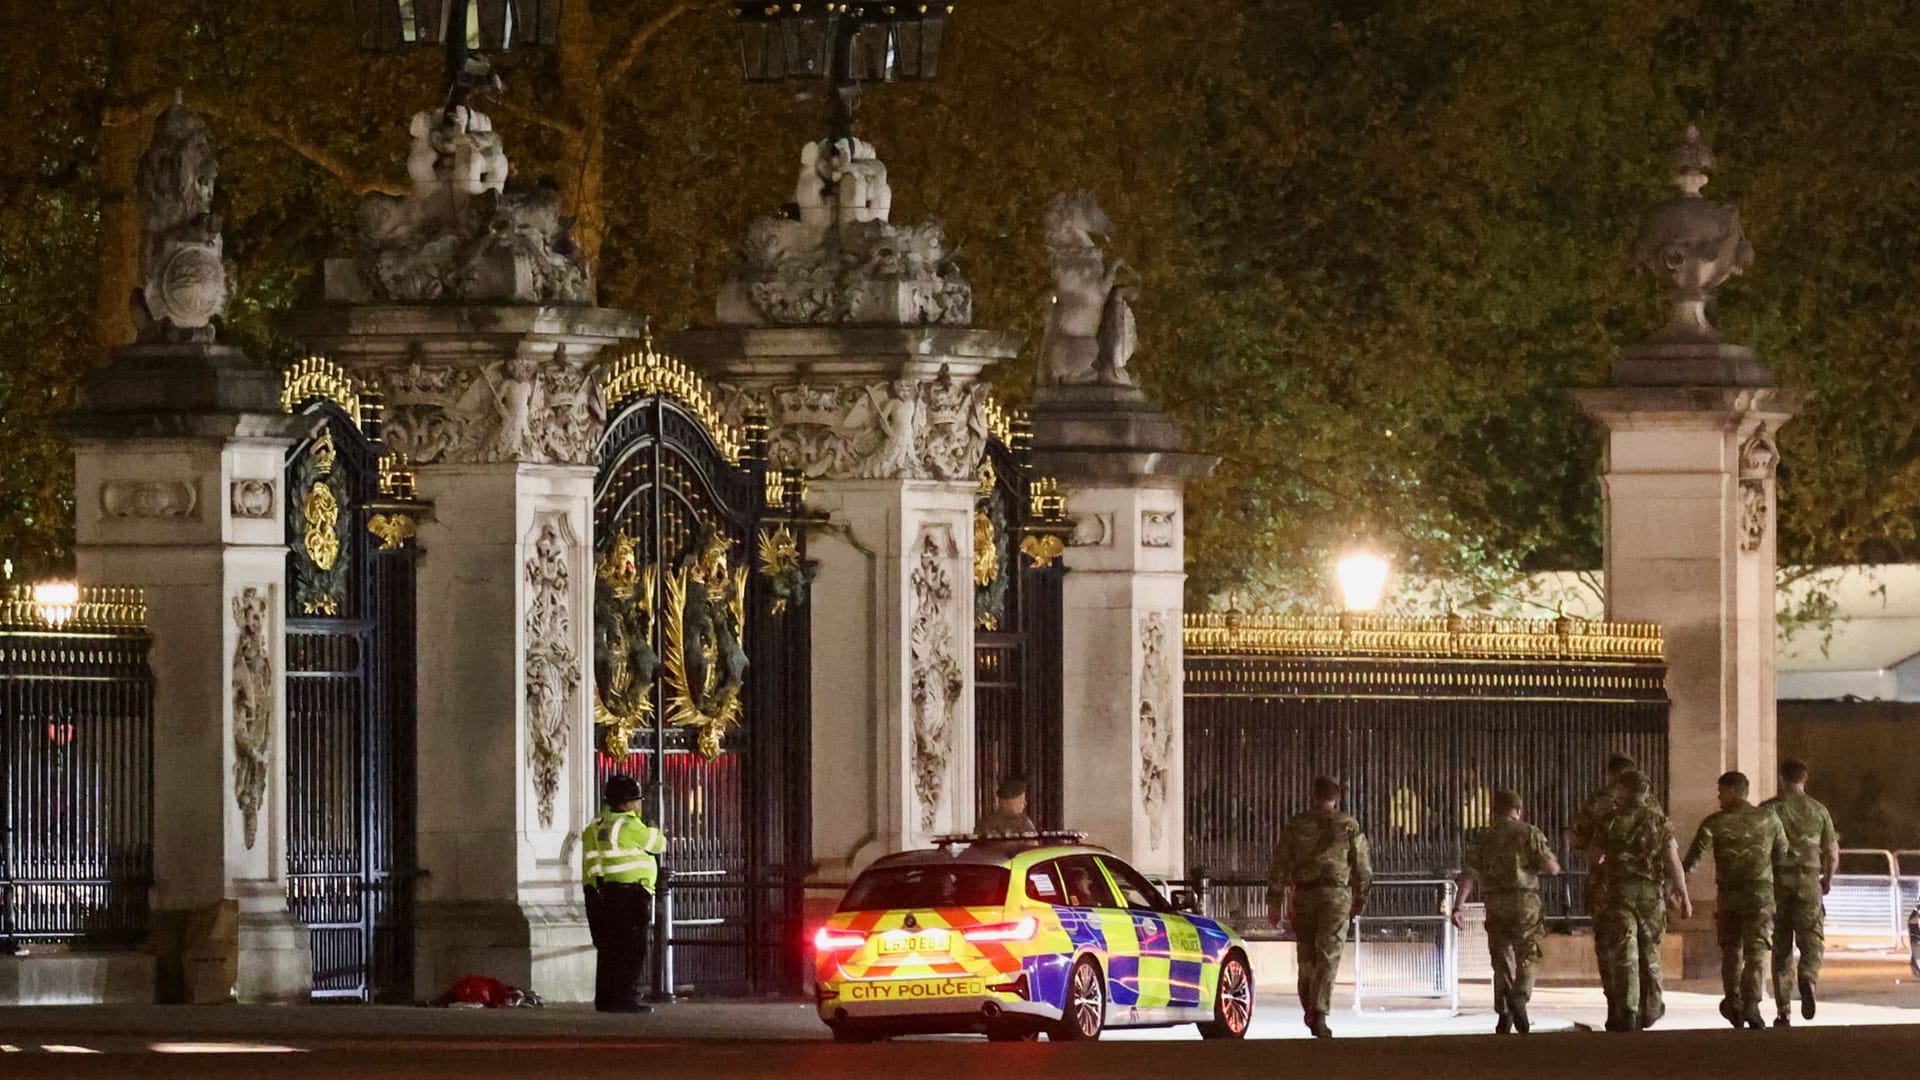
(1640, 874)
(1320, 876)
(1506, 864)
(1745, 842)
(1799, 882)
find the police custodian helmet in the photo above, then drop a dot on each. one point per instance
(621, 788)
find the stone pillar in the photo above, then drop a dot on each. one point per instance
(470, 309)
(496, 412)
(1689, 489)
(888, 425)
(1122, 466)
(179, 453)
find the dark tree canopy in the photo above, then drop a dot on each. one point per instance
(1378, 238)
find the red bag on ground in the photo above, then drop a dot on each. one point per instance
(480, 991)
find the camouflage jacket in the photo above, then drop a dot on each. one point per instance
(1745, 843)
(1810, 835)
(998, 822)
(1634, 842)
(1509, 856)
(1594, 814)
(1322, 849)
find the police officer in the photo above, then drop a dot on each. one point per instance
(1801, 879)
(1320, 876)
(1506, 864)
(1745, 842)
(619, 865)
(1640, 875)
(1009, 817)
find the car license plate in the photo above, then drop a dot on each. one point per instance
(891, 944)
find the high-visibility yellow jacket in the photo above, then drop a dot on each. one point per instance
(619, 847)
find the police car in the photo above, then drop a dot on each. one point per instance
(1018, 937)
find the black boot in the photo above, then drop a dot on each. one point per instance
(1727, 1010)
(1502, 1024)
(1647, 1020)
(1317, 1023)
(1520, 1022)
(1784, 1020)
(1806, 998)
(1755, 1022)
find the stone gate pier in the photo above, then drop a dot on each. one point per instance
(1691, 422)
(469, 310)
(1123, 466)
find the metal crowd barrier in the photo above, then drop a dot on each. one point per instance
(1864, 908)
(1907, 862)
(1410, 951)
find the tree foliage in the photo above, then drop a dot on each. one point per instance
(1378, 239)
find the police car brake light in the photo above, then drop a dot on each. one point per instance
(1010, 931)
(832, 940)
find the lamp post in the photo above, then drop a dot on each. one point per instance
(461, 26)
(844, 42)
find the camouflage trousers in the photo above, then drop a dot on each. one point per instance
(1320, 918)
(1799, 919)
(1514, 933)
(1744, 927)
(1626, 933)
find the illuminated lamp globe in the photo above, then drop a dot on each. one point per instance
(1363, 580)
(55, 601)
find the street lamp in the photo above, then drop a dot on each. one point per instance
(482, 24)
(846, 42)
(1363, 579)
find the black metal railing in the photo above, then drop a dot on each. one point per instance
(76, 758)
(1421, 742)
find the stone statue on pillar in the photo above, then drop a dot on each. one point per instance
(184, 277)
(462, 233)
(1090, 334)
(834, 258)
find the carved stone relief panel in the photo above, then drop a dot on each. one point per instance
(1158, 528)
(159, 499)
(553, 667)
(253, 686)
(1157, 719)
(936, 679)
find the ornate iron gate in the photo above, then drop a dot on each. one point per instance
(701, 575)
(1018, 529)
(350, 692)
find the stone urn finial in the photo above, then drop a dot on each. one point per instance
(1693, 240)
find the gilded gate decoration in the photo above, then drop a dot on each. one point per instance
(624, 662)
(705, 664)
(1019, 525)
(701, 681)
(348, 668)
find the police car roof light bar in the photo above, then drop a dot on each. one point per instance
(1045, 836)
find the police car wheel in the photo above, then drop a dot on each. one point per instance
(1085, 1013)
(1232, 1002)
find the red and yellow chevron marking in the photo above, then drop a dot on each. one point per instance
(935, 949)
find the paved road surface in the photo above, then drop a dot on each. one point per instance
(1859, 1034)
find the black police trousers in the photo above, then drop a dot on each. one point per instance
(619, 916)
